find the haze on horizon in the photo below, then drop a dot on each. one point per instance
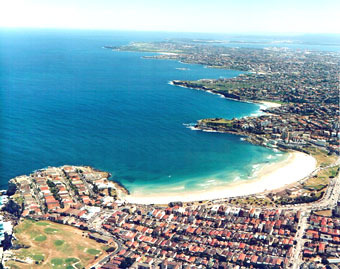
(213, 16)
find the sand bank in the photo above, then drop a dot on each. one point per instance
(272, 176)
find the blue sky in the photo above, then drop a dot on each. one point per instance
(215, 16)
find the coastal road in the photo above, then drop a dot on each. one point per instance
(96, 224)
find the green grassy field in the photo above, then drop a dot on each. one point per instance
(51, 245)
(321, 180)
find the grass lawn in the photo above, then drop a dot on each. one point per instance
(53, 245)
(38, 257)
(58, 243)
(64, 263)
(42, 223)
(228, 123)
(57, 261)
(40, 238)
(71, 260)
(93, 251)
(321, 156)
(252, 201)
(321, 180)
(50, 230)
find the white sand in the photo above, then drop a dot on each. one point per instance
(268, 104)
(272, 176)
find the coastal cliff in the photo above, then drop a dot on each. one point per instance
(231, 127)
(307, 116)
(193, 85)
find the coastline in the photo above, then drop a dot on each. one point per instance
(270, 177)
(268, 104)
(264, 104)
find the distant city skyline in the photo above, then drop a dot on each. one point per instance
(214, 16)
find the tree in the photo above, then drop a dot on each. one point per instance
(127, 262)
(95, 188)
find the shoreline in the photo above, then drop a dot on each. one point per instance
(262, 181)
(264, 104)
(270, 177)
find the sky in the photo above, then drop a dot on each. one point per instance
(206, 16)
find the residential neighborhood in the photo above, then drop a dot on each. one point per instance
(213, 234)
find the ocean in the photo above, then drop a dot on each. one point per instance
(66, 100)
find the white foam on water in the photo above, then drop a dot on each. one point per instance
(236, 179)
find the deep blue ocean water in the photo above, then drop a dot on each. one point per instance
(66, 100)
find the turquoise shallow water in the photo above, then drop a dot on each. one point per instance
(66, 100)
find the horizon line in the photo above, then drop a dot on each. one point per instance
(168, 31)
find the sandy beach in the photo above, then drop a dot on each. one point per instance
(268, 104)
(272, 176)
